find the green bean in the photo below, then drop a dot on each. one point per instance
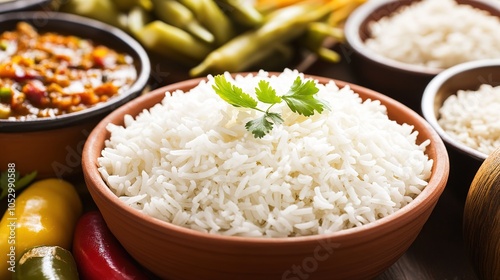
(102, 10)
(176, 14)
(280, 27)
(213, 18)
(242, 11)
(172, 42)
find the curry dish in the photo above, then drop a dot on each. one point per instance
(50, 74)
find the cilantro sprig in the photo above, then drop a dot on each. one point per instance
(300, 98)
(19, 182)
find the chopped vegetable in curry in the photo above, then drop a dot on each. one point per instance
(50, 74)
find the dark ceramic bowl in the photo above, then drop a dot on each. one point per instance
(24, 5)
(464, 160)
(466, 76)
(401, 81)
(174, 252)
(52, 146)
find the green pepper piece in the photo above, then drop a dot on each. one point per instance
(47, 262)
(5, 93)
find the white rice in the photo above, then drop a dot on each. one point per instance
(436, 34)
(191, 162)
(472, 117)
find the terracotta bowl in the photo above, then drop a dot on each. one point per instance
(401, 81)
(174, 252)
(53, 146)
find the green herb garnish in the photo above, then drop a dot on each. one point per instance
(18, 181)
(300, 99)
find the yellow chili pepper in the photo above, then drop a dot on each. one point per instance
(45, 213)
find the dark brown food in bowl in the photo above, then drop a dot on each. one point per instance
(179, 253)
(52, 146)
(401, 81)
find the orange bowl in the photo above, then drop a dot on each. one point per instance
(53, 146)
(175, 252)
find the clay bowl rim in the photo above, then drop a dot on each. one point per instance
(430, 105)
(62, 22)
(425, 200)
(356, 32)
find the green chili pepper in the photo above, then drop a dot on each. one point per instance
(172, 42)
(279, 27)
(47, 263)
(138, 17)
(5, 94)
(316, 37)
(176, 14)
(242, 11)
(102, 10)
(3, 45)
(213, 18)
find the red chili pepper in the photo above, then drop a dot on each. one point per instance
(99, 255)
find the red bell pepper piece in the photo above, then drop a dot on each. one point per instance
(35, 91)
(99, 255)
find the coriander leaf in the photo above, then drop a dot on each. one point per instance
(3, 184)
(261, 126)
(275, 117)
(25, 180)
(232, 94)
(304, 105)
(19, 182)
(265, 93)
(301, 98)
(303, 88)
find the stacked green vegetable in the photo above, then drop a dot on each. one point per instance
(213, 36)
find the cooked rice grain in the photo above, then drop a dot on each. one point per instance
(436, 34)
(191, 162)
(472, 117)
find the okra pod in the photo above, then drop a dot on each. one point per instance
(176, 14)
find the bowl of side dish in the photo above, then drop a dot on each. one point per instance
(60, 75)
(462, 104)
(397, 47)
(263, 224)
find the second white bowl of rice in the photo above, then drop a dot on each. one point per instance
(462, 103)
(398, 46)
(192, 195)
